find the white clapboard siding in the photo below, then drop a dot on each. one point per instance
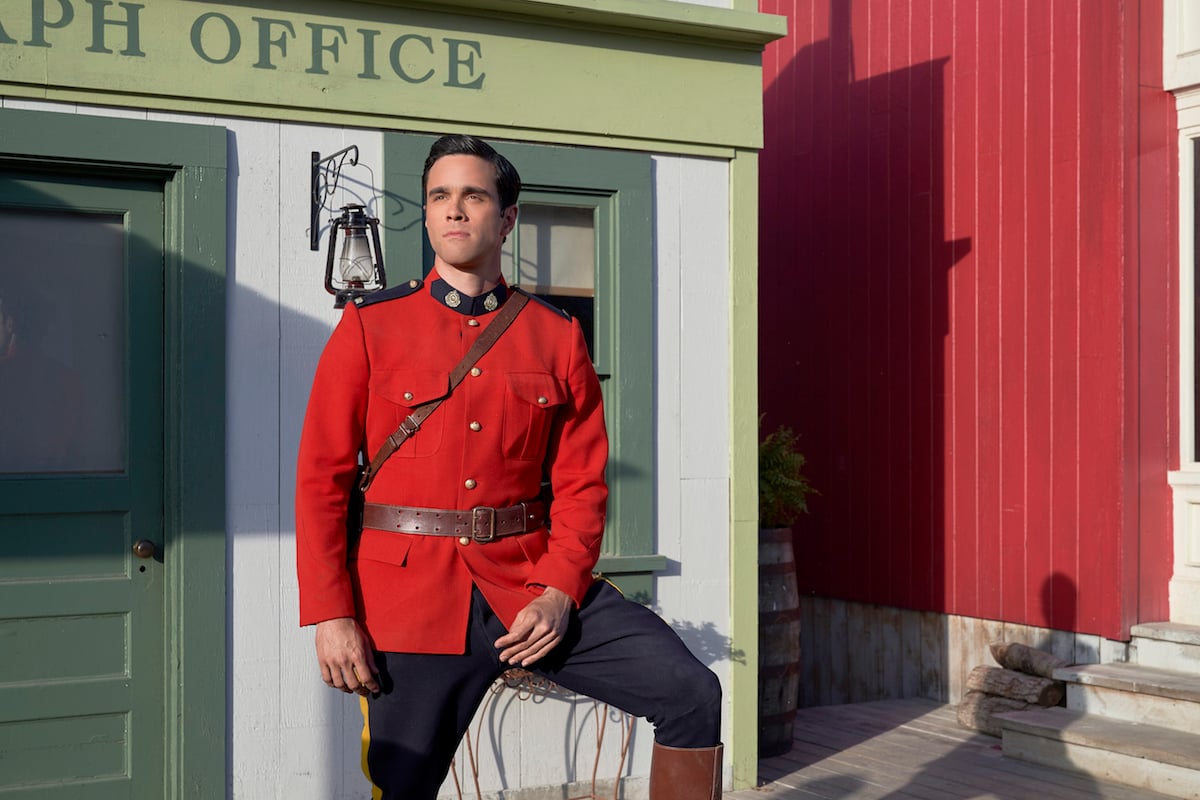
(256, 568)
(692, 369)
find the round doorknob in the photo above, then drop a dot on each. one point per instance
(143, 548)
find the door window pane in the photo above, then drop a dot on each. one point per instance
(554, 255)
(557, 250)
(62, 342)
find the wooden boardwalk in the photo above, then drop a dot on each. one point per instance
(909, 750)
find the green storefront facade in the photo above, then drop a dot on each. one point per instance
(613, 109)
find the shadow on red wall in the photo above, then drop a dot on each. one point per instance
(853, 312)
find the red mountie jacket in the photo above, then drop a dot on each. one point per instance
(536, 401)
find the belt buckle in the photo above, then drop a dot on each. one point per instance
(409, 425)
(487, 513)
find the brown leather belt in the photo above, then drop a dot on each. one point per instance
(481, 524)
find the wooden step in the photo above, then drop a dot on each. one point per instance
(1148, 757)
(1169, 645)
(1135, 693)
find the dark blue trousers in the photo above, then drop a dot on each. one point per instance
(615, 651)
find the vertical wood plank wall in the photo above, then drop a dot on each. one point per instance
(967, 282)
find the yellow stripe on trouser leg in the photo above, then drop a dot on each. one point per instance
(376, 792)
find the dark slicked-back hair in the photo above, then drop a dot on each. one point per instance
(508, 182)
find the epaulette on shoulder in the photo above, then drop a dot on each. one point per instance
(561, 312)
(403, 290)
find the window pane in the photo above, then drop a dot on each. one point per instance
(554, 255)
(62, 342)
(556, 250)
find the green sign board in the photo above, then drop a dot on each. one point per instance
(259, 42)
(396, 65)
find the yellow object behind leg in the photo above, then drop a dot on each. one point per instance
(376, 792)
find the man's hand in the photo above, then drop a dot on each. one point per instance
(537, 629)
(344, 654)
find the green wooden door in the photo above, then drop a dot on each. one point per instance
(81, 483)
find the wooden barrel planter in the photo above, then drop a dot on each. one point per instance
(778, 641)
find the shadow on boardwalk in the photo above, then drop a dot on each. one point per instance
(910, 750)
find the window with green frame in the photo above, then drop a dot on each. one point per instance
(584, 241)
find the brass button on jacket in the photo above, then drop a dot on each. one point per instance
(470, 483)
(475, 426)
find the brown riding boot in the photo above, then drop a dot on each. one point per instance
(685, 773)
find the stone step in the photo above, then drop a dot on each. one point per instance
(1135, 693)
(1144, 756)
(1168, 645)
(1168, 631)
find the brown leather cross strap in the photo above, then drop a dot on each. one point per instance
(412, 423)
(481, 524)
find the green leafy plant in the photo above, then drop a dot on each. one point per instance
(783, 489)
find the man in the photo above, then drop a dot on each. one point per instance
(420, 615)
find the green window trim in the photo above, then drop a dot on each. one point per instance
(617, 186)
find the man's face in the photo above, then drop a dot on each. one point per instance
(463, 217)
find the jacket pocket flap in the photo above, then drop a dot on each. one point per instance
(383, 546)
(537, 388)
(410, 388)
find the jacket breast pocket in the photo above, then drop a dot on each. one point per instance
(395, 394)
(531, 402)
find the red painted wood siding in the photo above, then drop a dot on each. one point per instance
(967, 302)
